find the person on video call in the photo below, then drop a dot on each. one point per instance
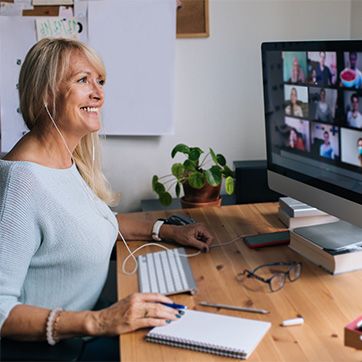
(57, 231)
(296, 140)
(323, 73)
(353, 58)
(294, 109)
(354, 117)
(323, 112)
(297, 75)
(326, 150)
(359, 150)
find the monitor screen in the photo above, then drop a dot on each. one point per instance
(313, 114)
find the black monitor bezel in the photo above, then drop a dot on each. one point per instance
(325, 45)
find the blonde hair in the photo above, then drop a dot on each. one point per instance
(44, 69)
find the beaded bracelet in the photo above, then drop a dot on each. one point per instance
(50, 325)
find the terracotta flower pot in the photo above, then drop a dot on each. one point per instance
(206, 196)
(191, 205)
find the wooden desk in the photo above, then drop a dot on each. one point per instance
(326, 302)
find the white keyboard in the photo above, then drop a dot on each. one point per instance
(165, 272)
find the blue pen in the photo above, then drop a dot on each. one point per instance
(175, 306)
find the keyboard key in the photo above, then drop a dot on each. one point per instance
(181, 270)
(160, 273)
(166, 267)
(152, 273)
(142, 265)
(174, 270)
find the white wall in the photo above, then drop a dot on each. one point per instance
(219, 101)
(356, 24)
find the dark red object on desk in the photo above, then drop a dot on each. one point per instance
(353, 334)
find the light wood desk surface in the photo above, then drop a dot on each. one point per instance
(326, 302)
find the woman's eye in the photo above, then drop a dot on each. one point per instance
(82, 80)
(101, 82)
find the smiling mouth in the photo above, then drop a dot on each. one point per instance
(90, 109)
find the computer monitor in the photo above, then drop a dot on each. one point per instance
(313, 117)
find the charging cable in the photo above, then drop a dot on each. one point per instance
(131, 254)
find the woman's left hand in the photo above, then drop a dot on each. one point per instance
(195, 235)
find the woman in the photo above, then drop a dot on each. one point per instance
(295, 140)
(294, 109)
(56, 230)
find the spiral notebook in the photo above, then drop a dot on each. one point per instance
(213, 333)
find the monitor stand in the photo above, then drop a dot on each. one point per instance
(335, 235)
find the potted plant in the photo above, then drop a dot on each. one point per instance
(200, 180)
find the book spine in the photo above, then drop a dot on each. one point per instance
(315, 259)
(298, 209)
(311, 220)
(284, 217)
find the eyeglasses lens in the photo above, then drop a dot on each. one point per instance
(294, 272)
(277, 282)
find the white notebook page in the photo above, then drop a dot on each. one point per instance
(215, 329)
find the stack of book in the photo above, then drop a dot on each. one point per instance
(294, 213)
(323, 252)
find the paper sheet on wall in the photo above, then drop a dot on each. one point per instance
(136, 40)
(27, 4)
(17, 35)
(10, 9)
(81, 14)
(55, 27)
(66, 12)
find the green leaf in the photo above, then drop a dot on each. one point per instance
(180, 148)
(154, 182)
(213, 155)
(178, 189)
(189, 165)
(221, 159)
(227, 172)
(213, 176)
(159, 188)
(165, 198)
(229, 185)
(195, 153)
(178, 170)
(196, 180)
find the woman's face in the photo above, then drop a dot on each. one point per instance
(293, 96)
(82, 97)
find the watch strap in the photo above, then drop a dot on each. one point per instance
(156, 230)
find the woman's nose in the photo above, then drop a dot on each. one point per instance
(96, 91)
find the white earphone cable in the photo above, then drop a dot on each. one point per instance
(92, 198)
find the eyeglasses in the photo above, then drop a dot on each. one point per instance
(277, 280)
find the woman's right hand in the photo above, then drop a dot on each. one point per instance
(138, 310)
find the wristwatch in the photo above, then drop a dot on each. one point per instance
(156, 230)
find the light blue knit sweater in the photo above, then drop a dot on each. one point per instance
(56, 238)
